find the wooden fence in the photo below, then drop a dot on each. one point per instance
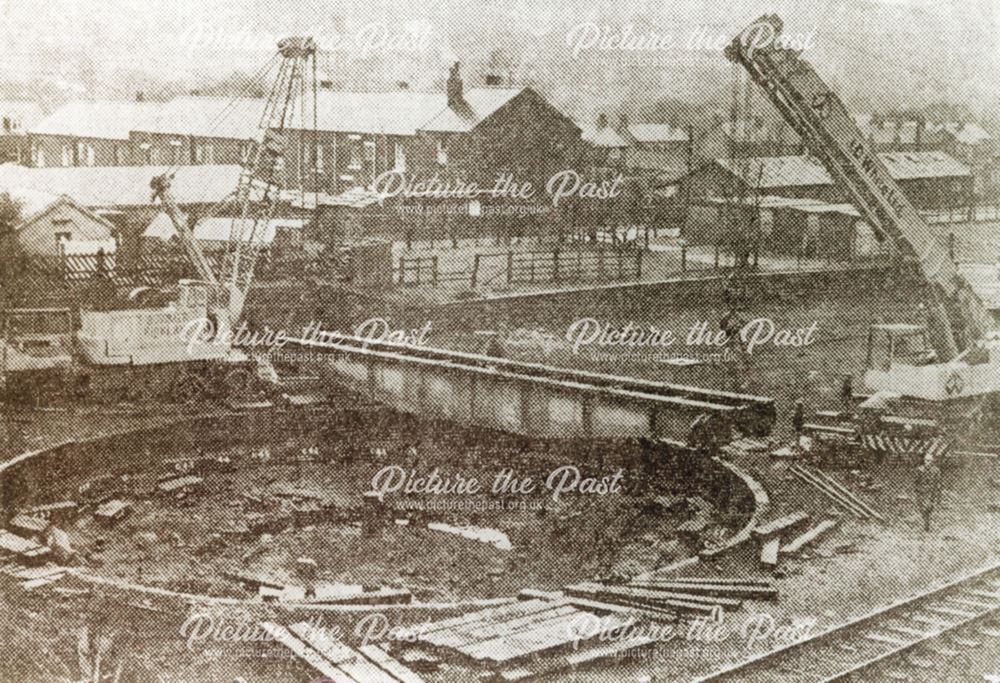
(500, 269)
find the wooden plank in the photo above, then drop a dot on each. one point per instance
(655, 595)
(306, 653)
(393, 666)
(549, 636)
(345, 658)
(933, 621)
(883, 638)
(769, 553)
(601, 651)
(836, 486)
(749, 592)
(468, 634)
(493, 613)
(780, 525)
(721, 580)
(808, 537)
(535, 594)
(964, 614)
(906, 630)
(663, 607)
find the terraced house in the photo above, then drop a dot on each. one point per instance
(89, 134)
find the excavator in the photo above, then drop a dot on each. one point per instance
(947, 364)
(182, 343)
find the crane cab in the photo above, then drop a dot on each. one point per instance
(899, 343)
(900, 360)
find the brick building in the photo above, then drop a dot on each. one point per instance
(198, 131)
(931, 179)
(88, 134)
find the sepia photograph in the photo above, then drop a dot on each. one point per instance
(464, 341)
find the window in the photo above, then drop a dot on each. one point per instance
(244, 153)
(67, 156)
(400, 157)
(355, 155)
(442, 153)
(766, 222)
(62, 237)
(176, 151)
(318, 166)
(205, 154)
(91, 156)
(40, 156)
(475, 208)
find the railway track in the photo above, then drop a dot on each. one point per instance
(910, 632)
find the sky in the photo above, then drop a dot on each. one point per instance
(920, 48)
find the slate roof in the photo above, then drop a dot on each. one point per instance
(109, 186)
(102, 119)
(217, 117)
(797, 171)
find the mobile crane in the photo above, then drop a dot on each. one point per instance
(186, 345)
(962, 364)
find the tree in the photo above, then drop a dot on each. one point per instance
(10, 214)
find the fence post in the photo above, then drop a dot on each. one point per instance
(600, 262)
(510, 267)
(475, 270)
(434, 270)
(716, 256)
(638, 264)
(402, 270)
(684, 258)
(555, 264)
(951, 246)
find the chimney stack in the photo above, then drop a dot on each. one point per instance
(493, 80)
(456, 96)
(140, 96)
(602, 121)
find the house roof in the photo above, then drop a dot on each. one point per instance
(386, 113)
(102, 119)
(35, 205)
(605, 136)
(669, 165)
(910, 165)
(787, 171)
(218, 229)
(217, 117)
(798, 171)
(482, 103)
(656, 132)
(759, 131)
(24, 112)
(108, 186)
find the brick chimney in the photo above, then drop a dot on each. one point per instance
(602, 121)
(456, 96)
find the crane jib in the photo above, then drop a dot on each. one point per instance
(831, 134)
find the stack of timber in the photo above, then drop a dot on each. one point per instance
(337, 661)
(721, 587)
(770, 534)
(532, 637)
(840, 495)
(654, 597)
(501, 636)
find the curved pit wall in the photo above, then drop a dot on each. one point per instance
(56, 471)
